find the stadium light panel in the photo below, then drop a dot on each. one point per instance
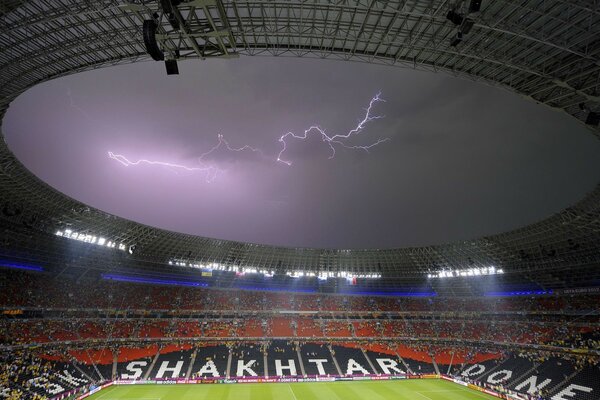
(90, 238)
(484, 271)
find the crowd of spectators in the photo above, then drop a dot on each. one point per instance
(25, 375)
(39, 290)
(69, 327)
(101, 315)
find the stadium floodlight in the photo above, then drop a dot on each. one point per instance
(91, 239)
(480, 271)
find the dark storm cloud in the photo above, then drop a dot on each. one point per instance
(463, 159)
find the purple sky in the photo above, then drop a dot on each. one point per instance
(463, 159)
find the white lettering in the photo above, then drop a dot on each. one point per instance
(136, 368)
(568, 391)
(175, 371)
(475, 369)
(387, 364)
(499, 376)
(291, 367)
(354, 366)
(241, 367)
(67, 377)
(319, 362)
(46, 385)
(209, 368)
(532, 384)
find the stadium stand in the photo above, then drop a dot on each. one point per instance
(167, 332)
(282, 359)
(172, 362)
(351, 359)
(585, 383)
(247, 359)
(533, 330)
(211, 361)
(317, 359)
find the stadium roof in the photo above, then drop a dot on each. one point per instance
(547, 51)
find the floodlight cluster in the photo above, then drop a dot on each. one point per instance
(206, 266)
(90, 238)
(247, 270)
(331, 274)
(221, 267)
(485, 271)
(213, 266)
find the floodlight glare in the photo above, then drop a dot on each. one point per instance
(483, 271)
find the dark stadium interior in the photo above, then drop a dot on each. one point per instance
(89, 299)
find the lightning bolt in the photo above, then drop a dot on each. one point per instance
(339, 138)
(211, 171)
(221, 142)
(74, 105)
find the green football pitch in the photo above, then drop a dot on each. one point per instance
(417, 389)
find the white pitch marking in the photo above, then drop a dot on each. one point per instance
(294, 394)
(102, 395)
(421, 394)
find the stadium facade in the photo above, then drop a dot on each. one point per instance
(182, 323)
